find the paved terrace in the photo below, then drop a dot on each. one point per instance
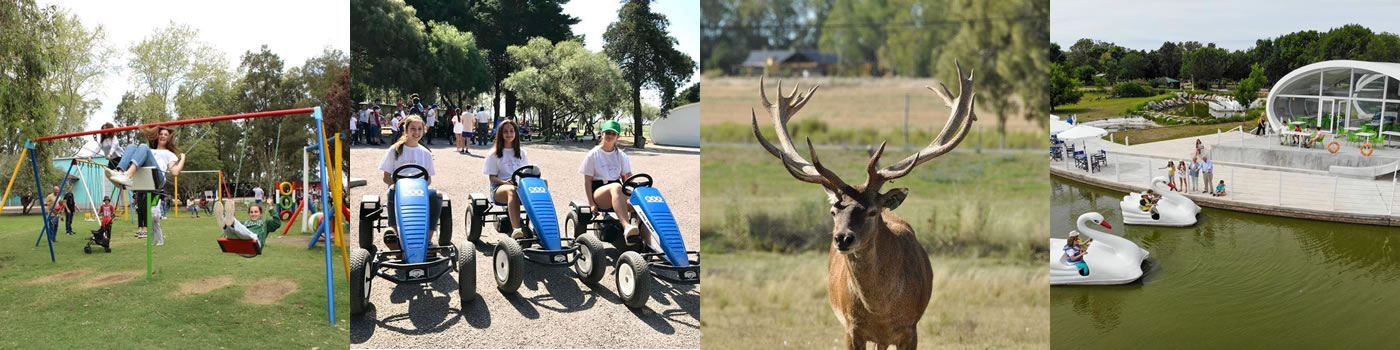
(1253, 188)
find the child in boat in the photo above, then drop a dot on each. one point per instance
(1075, 249)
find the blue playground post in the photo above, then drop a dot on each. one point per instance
(325, 200)
(62, 185)
(34, 163)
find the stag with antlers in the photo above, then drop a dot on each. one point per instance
(879, 278)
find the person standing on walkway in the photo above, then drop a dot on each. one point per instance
(1195, 168)
(430, 118)
(257, 195)
(1207, 169)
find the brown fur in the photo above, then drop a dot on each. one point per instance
(880, 289)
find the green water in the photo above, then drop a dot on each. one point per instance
(1234, 280)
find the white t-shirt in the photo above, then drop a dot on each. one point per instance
(412, 154)
(353, 121)
(257, 193)
(506, 165)
(483, 117)
(432, 117)
(397, 120)
(456, 124)
(364, 115)
(605, 166)
(163, 158)
(110, 148)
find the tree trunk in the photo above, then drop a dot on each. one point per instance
(511, 101)
(638, 141)
(496, 103)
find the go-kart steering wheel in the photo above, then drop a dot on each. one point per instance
(421, 172)
(524, 171)
(637, 180)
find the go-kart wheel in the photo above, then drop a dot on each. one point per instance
(508, 263)
(360, 279)
(466, 273)
(633, 280)
(589, 263)
(445, 225)
(474, 225)
(571, 225)
(109, 250)
(87, 250)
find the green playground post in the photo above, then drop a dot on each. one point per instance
(149, 202)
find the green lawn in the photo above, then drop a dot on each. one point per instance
(199, 297)
(769, 301)
(1089, 109)
(962, 203)
(1175, 132)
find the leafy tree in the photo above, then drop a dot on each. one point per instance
(1205, 65)
(1133, 66)
(565, 82)
(1080, 55)
(1169, 64)
(1006, 54)
(1131, 89)
(905, 50)
(1083, 73)
(687, 96)
(390, 45)
(169, 57)
(1064, 90)
(647, 56)
(460, 68)
(26, 109)
(498, 24)
(82, 63)
(1056, 56)
(1248, 88)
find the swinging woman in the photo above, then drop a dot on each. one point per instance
(161, 152)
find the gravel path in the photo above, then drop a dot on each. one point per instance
(553, 309)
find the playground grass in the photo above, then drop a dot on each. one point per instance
(962, 203)
(1088, 109)
(760, 300)
(199, 297)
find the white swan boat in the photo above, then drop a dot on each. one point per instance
(1173, 209)
(1111, 259)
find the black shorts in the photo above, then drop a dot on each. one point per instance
(600, 183)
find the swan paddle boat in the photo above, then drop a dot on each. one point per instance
(1173, 209)
(1111, 259)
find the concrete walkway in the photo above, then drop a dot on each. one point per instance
(1251, 187)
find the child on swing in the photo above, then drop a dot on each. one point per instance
(255, 228)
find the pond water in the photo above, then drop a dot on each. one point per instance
(1234, 280)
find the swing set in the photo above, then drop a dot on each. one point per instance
(143, 185)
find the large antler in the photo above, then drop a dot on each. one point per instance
(959, 122)
(799, 167)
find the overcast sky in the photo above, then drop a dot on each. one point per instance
(595, 16)
(294, 30)
(1233, 25)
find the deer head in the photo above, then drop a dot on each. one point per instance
(855, 210)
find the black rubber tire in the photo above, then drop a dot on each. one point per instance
(87, 250)
(590, 253)
(641, 279)
(445, 225)
(571, 224)
(108, 249)
(474, 224)
(360, 281)
(466, 273)
(508, 252)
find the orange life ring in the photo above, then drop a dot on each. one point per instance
(1366, 149)
(1334, 147)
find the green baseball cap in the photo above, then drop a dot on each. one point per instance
(612, 125)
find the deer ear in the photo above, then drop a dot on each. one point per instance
(831, 197)
(893, 198)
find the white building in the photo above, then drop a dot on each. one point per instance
(1335, 95)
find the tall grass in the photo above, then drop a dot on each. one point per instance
(770, 300)
(822, 133)
(965, 205)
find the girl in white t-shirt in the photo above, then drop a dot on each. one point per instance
(603, 169)
(459, 132)
(500, 164)
(160, 152)
(408, 151)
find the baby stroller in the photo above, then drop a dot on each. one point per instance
(101, 237)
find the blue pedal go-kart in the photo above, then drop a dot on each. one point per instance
(555, 249)
(662, 255)
(412, 206)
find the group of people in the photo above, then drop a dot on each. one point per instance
(366, 122)
(1199, 166)
(161, 151)
(60, 206)
(603, 168)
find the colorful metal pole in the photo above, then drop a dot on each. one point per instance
(179, 122)
(34, 163)
(325, 203)
(18, 163)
